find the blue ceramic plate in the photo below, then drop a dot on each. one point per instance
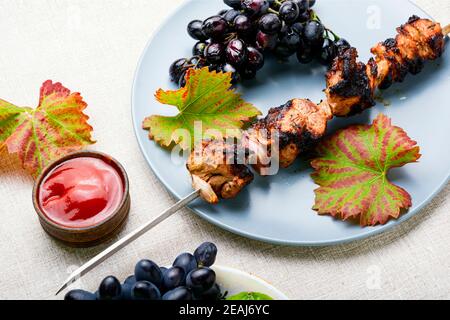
(278, 209)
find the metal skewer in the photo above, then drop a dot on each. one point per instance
(91, 264)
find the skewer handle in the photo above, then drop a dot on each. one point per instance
(446, 30)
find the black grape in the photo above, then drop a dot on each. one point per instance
(235, 4)
(126, 291)
(305, 53)
(328, 52)
(283, 51)
(200, 280)
(215, 27)
(214, 53)
(243, 25)
(145, 290)
(265, 41)
(313, 33)
(291, 39)
(222, 12)
(110, 289)
(173, 278)
(212, 294)
(304, 16)
(147, 270)
(298, 27)
(270, 23)
(236, 52)
(177, 68)
(130, 280)
(195, 30)
(303, 5)
(179, 294)
(206, 254)
(186, 261)
(255, 7)
(163, 270)
(231, 15)
(289, 11)
(79, 295)
(255, 59)
(342, 43)
(199, 49)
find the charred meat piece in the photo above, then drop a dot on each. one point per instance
(417, 41)
(216, 171)
(349, 90)
(391, 65)
(285, 132)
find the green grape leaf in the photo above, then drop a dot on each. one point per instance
(55, 128)
(351, 170)
(208, 99)
(250, 296)
(11, 117)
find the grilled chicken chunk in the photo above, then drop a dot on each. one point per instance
(286, 132)
(216, 171)
(349, 90)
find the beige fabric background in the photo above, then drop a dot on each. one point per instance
(93, 46)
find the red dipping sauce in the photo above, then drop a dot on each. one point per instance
(81, 192)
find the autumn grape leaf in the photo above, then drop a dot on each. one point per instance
(208, 99)
(55, 128)
(351, 170)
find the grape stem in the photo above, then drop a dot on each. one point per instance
(192, 65)
(446, 30)
(315, 17)
(273, 11)
(335, 36)
(231, 36)
(278, 2)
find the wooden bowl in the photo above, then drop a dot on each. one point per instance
(92, 235)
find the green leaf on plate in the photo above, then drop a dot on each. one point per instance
(206, 98)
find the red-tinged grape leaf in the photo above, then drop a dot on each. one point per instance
(11, 117)
(206, 98)
(352, 167)
(55, 128)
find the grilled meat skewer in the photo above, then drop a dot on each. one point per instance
(299, 124)
(351, 84)
(219, 168)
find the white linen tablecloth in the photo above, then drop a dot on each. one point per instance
(92, 46)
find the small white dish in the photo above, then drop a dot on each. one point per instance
(235, 281)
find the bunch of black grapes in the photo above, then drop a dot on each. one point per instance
(236, 40)
(189, 278)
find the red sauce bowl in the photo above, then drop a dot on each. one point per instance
(82, 199)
